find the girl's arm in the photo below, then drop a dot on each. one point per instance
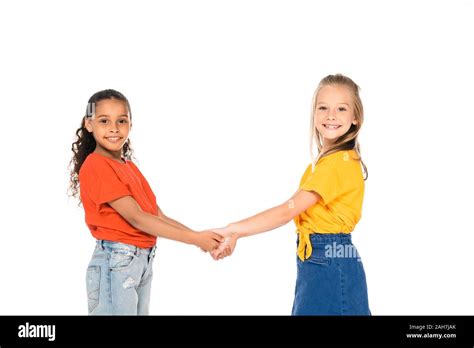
(129, 209)
(265, 221)
(276, 216)
(173, 222)
(169, 220)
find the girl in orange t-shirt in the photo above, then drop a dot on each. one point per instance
(120, 210)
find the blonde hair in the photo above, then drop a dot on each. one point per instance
(348, 141)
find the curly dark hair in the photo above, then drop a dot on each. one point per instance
(85, 142)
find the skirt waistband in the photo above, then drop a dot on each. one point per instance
(330, 237)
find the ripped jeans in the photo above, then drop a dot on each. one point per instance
(119, 279)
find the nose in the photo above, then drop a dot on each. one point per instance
(113, 128)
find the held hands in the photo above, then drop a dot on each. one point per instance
(208, 240)
(218, 241)
(226, 248)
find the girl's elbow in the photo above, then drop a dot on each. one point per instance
(287, 214)
(136, 220)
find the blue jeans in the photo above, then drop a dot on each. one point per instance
(332, 281)
(119, 278)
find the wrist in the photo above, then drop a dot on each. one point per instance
(192, 237)
(233, 231)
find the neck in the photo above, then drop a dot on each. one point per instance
(326, 144)
(115, 155)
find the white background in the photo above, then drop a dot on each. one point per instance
(221, 93)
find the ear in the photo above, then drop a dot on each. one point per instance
(354, 122)
(88, 125)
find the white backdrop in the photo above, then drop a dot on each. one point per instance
(221, 93)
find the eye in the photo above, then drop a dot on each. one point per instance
(123, 121)
(342, 109)
(103, 121)
(322, 108)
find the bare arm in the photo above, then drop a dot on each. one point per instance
(171, 221)
(276, 216)
(129, 209)
(264, 221)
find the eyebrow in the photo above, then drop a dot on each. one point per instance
(339, 103)
(109, 116)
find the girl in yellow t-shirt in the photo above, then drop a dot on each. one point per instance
(326, 208)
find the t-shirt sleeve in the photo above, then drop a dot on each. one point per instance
(323, 180)
(101, 183)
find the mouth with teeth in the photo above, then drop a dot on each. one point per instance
(331, 126)
(114, 139)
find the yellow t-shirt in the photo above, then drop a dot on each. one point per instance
(338, 179)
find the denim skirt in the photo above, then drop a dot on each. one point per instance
(332, 280)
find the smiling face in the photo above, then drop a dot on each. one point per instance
(334, 112)
(110, 126)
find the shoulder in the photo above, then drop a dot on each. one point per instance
(87, 165)
(339, 158)
(133, 167)
(307, 172)
(346, 166)
(93, 160)
(137, 172)
(132, 164)
(342, 162)
(94, 165)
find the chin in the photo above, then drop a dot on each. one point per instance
(331, 137)
(112, 149)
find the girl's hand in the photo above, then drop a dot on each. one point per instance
(227, 247)
(208, 240)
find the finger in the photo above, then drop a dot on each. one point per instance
(218, 237)
(223, 253)
(215, 254)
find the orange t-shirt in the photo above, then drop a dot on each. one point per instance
(102, 180)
